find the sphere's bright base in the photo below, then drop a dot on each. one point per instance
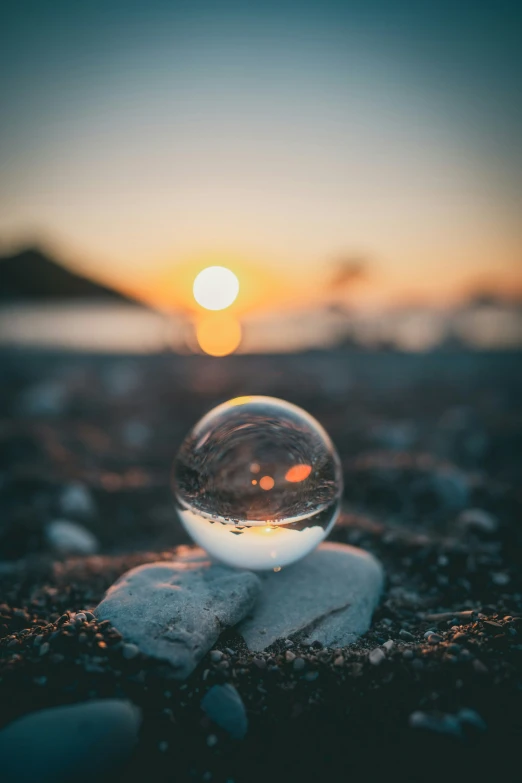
(257, 548)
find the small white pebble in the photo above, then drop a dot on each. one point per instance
(376, 656)
(388, 645)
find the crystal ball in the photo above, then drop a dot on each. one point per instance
(258, 483)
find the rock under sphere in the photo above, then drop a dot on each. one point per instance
(329, 597)
(176, 610)
(74, 743)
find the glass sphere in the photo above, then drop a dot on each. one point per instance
(258, 483)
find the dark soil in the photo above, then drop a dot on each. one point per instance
(423, 439)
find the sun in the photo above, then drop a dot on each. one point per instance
(215, 288)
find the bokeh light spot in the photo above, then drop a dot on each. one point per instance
(266, 483)
(218, 334)
(298, 473)
(216, 288)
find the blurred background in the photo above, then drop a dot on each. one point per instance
(355, 165)
(314, 201)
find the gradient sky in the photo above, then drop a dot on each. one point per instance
(139, 139)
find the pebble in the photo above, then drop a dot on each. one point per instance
(439, 723)
(406, 635)
(338, 588)
(70, 538)
(216, 656)
(76, 499)
(175, 611)
(477, 519)
(389, 645)
(434, 638)
(299, 664)
(224, 706)
(460, 638)
(376, 656)
(77, 743)
(471, 718)
(492, 627)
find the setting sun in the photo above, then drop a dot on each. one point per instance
(216, 288)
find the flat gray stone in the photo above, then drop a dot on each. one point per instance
(176, 610)
(74, 743)
(329, 597)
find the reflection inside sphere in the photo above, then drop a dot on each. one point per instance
(258, 483)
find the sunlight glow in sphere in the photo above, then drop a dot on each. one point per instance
(258, 483)
(216, 288)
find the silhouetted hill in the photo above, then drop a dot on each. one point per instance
(32, 276)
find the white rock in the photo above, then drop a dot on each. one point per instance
(176, 610)
(77, 499)
(74, 743)
(376, 656)
(329, 597)
(70, 538)
(477, 519)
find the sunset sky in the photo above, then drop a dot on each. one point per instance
(141, 141)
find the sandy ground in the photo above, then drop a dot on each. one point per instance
(425, 441)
